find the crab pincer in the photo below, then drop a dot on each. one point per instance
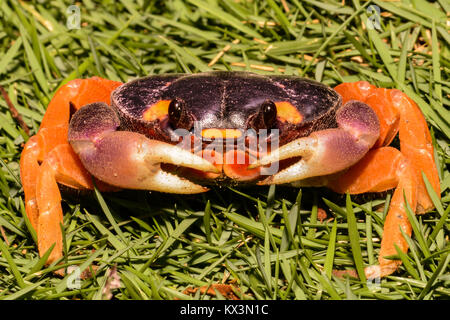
(128, 159)
(327, 151)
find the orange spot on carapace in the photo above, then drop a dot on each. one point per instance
(288, 113)
(221, 133)
(157, 111)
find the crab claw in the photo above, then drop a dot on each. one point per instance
(129, 159)
(327, 151)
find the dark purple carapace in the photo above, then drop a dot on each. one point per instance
(226, 100)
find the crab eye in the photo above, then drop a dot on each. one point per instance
(266, 116)
(269, 113)
(175, 111)
(179, 117)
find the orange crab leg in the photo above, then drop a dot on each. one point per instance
(79, 92)
(36, 148)
(398, 113)
(61, 165)
(29, 168)
(396, 222)
(416, 145)
(386, 168)
(397, 173)
(363, 177)
(47, 159)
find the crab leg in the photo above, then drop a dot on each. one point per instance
(129, 159)
(397, 173)
(32, 156)
(396, 220)
(61, 165)
(416, 145)
(36, 150)
(29, 168)
(50, 145)
(398, 113)
(327, 151)
(386, 168)
(363, 177)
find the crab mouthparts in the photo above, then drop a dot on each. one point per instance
(235, 153)
(231, 151)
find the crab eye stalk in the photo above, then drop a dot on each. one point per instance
(266, 116)
(179, 117)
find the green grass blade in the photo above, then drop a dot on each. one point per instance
(25, 291)
(406, 263)
(416, 229)
(41, 262)
(207, 221)
(109, 215)
(434, 197)
(328, 266)
(225, 17)
(444, 261)
(355, 240)
(12, 265)
(6, 59)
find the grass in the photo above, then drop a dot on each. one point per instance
(269, 241)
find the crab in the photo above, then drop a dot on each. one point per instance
(168, 133)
